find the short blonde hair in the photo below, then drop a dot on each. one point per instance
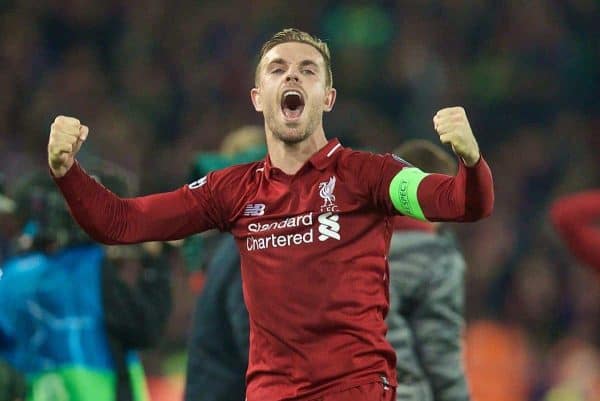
(296, 35)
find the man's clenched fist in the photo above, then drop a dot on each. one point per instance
(453, 127)
(66, 136)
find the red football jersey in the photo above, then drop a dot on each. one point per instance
(313, 255)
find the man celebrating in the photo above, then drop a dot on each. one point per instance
(312, 222)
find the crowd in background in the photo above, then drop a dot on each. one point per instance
(159, 81)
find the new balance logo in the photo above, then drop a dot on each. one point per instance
(254, 209)
(329, 226)
(198, 183)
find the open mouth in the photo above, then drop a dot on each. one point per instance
(292, 104)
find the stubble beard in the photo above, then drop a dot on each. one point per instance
(291, 135)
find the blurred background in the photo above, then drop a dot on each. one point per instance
(158, 81)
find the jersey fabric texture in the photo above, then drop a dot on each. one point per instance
(313, 249)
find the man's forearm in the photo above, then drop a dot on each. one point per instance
(113, 220)
(467, 197)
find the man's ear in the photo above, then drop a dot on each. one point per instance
(330, 99)
(256, 99)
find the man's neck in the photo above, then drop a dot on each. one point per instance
(289, 158)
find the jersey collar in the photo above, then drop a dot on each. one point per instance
(325, 156)
(319, 160)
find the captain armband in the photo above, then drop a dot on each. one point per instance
(403, 192)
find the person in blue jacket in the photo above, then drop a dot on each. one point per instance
(68, 322)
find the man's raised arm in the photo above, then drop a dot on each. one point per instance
(468, 196)
(110, 219)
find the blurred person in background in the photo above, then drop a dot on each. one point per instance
(426, 317)
(72, 312)
(576, 218)
(12, 383)
(575, 374)
(7, 226)
(219, 339)
(315, 289)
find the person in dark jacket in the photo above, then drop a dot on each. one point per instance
(219, 340)
(218, 344)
